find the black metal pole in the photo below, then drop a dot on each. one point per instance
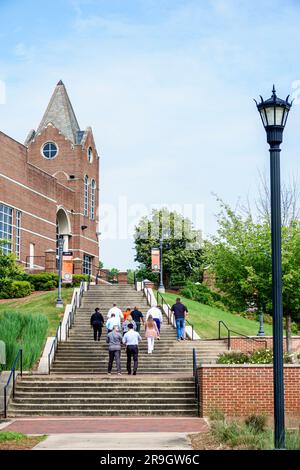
(277, 296)
(59, 302)
(161, 284)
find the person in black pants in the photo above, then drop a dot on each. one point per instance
(131, 339)
(97, 322)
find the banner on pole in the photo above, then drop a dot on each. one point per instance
(67, 267)
(155, 260)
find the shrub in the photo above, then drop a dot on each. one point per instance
(233, 357)
(21, 289)
(261, 356)
(257, 423)
(77, 279)
(11, 289)
(201, 293)
(42, 281)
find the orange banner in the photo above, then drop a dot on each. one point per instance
(155, 260)
(67, 268)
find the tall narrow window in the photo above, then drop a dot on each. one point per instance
(6, 227)
(18, 234)
(93, 190)
(87, 264)
(85, 196)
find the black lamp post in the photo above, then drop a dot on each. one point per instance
(274, 113)
(161, 283)
(60, 242)
(261, 322)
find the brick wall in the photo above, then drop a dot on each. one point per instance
(241, 390)
(239, 343)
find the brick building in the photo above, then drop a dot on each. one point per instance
(49, 187)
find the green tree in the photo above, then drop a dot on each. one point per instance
(240, 257)
(9, 268)
(182, 252)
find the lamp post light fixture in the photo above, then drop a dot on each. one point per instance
(261, 323)
(60, 242)
(161, 283)
(274, 113)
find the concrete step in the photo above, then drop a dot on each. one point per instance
(24, 412)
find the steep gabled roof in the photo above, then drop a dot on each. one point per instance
(61, 114)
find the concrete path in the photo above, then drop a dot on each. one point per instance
(110, 433)
(117, 441)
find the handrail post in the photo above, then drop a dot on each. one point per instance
(219, 330)
(21, 362)
(229, 340)
(13, 383)
(5, 403)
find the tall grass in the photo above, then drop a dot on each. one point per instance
(23, 331)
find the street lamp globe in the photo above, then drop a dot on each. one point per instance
(274, 113)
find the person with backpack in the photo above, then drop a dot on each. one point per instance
(114, 341)
(151, 333)
(180, 314)
(97, 322)
(131, 339)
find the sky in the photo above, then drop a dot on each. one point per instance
(168, 88)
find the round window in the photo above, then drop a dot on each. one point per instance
(90, 154)
(50, 150)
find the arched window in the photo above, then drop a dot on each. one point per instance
(85, 196)
(93, 194)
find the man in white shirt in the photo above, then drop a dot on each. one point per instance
(112, 322)
(117, 311)
(156, 314)
(131, 339)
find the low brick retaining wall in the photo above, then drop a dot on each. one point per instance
(240, 343)
(239, 390)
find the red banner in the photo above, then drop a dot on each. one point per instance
(67, 268)
(155, 260)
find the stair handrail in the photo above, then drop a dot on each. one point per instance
(170, 314)
(76, 301)
(229, 331)
(12, 375)
(196, 379)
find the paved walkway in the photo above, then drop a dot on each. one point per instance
(48, 425)
(117, 441)
(110, 433)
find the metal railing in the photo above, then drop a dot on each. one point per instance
(12, 375)
(54, 346)
(32, 262)
(170, 314)
(229, 331)
(69, 324)
(196, 379)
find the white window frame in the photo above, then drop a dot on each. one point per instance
(18, 234)
(93, 198)
(6, 213)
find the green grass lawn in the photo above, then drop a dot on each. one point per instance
(206, 319)
(44, 304)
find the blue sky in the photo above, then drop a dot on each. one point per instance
(167, 86)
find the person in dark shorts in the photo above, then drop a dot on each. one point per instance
(138, 318)
(97, 322)
(180, 313)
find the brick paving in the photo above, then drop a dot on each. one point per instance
(45, 425)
